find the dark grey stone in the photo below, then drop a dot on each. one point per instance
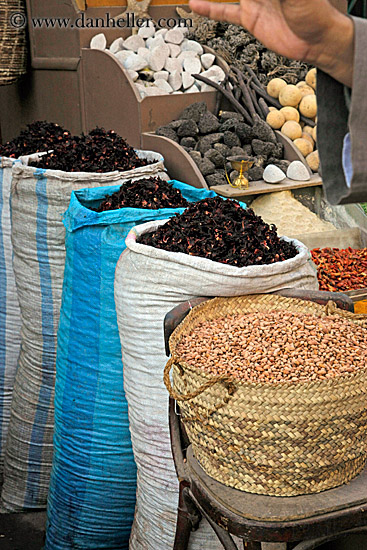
(282, 164)
(255, 173)
(224, 150)
(227, 115)
(247, 149)
(215, 157)
(229, 125)
(260, 161)
(207, 142)
(187, 149)
(279, 150)
(195, 155)
(231, 139)
(245, 133)
(262, 130)
(189, 142)
(264, 148)
(236, 151)
(206, 167)
(168, 133)
(188, 128)
(194, 111)
(174, 125)
(208, 123)
(216, 179)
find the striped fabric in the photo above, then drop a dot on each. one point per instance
(38, 200)
(93, 482)
(9, 307)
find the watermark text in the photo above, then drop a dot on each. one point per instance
(19, 20)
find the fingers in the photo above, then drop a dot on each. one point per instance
(220, 12)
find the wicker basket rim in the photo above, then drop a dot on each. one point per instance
(319, 310)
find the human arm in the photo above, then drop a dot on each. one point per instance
(314, 31)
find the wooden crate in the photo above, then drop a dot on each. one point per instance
(54, 87)
(340, 238)
(112, 100)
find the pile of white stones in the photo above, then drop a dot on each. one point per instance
(163, 61)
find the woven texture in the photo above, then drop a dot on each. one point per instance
(91, 501)
(9, 307)
(13, 46)
(275, 439)
(39, 198)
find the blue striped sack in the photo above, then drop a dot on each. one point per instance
(93, 481)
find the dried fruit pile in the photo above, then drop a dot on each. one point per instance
(239, 47)
(38, 136)
(150, 193)
(221, 231)
(276, 346)
(98, 151)
(293, 111)
(341, 269)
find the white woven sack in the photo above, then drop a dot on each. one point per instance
(9, 306)
(39, 198)
(148, 283)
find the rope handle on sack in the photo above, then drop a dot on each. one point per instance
(332, 309)
(198, 391)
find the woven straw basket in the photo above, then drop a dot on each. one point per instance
(282, 439)
(13, 45)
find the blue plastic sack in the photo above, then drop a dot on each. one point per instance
(93, 481)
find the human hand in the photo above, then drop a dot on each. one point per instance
(310, 30)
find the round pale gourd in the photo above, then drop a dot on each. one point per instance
(309, 138)
(306, 90)
(290, 113)
(272, 108)
(274, 86)
(311, 78)
(313, 161)
(308, 106)
(308, 129)
(314, 133)
(292, 129)
(301, 83)
(304, 146)
(275, 119)
(290, 96)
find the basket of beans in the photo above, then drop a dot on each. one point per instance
(272, 392)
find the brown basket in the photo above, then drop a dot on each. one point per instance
(275, 439)
(13, 49)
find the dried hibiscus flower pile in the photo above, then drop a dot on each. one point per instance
(222, 231)
(150, 193)
(37, 137)
(98, 151)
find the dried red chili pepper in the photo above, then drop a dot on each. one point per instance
(341, 269)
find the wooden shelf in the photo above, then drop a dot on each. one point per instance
(109, 3)
(111, 99)
(179, 164)
(260, 187)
